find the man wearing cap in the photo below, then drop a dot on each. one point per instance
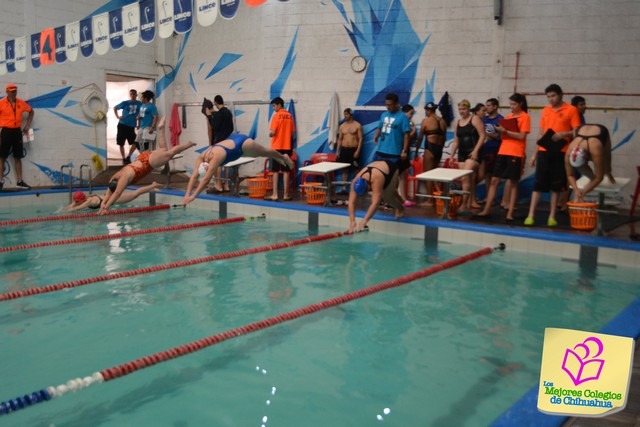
(381, 177)
(11, 111)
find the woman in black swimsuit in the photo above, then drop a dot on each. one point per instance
(433, 129)
(93, 201)
(591, 143)
(468, 141)
(381, 177)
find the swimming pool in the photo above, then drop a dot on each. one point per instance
(456, 348)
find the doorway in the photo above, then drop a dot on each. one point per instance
(118, 87)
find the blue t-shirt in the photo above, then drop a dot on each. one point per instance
(147, 111)
(392, 127)
(490, 144)
(130, 110)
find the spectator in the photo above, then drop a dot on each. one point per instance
(393, 132)
(147, 121)
(12, 109)
(491, 145)
(560, 118)
(349, 143)
(127, 124)
(433, 129)
(581, 105)
(405, 164)
(220, 126)
(281, 132)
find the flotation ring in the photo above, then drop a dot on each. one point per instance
(95, 106)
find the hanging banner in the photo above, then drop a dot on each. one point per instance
(3, 60)
(164, 9)
(206, 12)
(72, 36)
(147, 20)
(229, 8)
(61, 45)
(10, 55)
(47, 46)
(86, 37)
(183, 15)
(35, 50)
(21, 54)
(101, 33)
(131, 24)
(115, 29)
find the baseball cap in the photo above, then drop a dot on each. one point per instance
(360, 186)
(79, 196)
(11, 87)
(431, 106)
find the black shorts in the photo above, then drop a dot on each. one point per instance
(550, 172)
(125, 133)
(436, 151)
(277, 167)
(508, 167)
(347, 155)
(11, 141)
(489, 160)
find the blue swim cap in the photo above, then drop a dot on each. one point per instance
(360, 186)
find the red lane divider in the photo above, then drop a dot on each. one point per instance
(145, 362)
(162, 267)
(82, 215)
(120, 235)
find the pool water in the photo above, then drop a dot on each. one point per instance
(453, 349)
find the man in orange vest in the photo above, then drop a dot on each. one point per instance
(281, 133)
(11, 111)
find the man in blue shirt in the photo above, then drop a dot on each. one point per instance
(393, 132)
(147, 120)
(127, 124)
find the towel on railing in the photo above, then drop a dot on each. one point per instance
(175, 126)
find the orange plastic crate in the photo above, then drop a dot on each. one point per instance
(315, 196)
(585, 218)
(257, 187)
(454, 204)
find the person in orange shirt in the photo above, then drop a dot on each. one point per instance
(281, 133)
(562, 118)
(510, 160)
(11, 112)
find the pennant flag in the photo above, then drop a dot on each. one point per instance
(35, 50)
(165, 18)
(229, 8)
(10, 55)
(3, 60)
(47, 46)
(21, 54)
(72, 36)
(86, 37)
(147, 20)
(206, 12)
(101, 33)
(183, 15)
(131, 24)
(61, 45)
(115, 29)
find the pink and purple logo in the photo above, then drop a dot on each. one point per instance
(581, 363)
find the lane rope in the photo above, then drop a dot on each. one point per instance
(130, 273)
(82, 215)
(118, 371)
(88, 239)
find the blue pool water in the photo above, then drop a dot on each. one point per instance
(453, 349)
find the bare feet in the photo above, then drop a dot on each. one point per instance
(399, 213)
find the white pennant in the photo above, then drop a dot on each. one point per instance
(101, 33)
(131, 24)
(164, 12)
(21, 54)
(3, 59)
(206, 12)
(72, 38)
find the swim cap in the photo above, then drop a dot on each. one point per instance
(360, 186)
(79, 197)
(578, 156)
(202, 169)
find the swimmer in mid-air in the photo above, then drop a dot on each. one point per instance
(232, 148)
(93, 201)
(141, 167)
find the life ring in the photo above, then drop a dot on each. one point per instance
(95, 106)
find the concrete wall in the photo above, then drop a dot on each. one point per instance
(302, 49)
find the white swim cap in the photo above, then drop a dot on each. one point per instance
(578, 156)
(202, 169)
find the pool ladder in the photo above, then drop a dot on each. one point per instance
(68, 166)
